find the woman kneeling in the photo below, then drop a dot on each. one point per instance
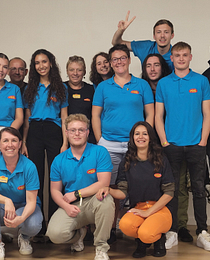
(145, 175)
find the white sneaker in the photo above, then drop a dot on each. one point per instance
(203, 240)
(2, 251)
(25, 246)
(171, 239)
(100, 255)
(79, 245)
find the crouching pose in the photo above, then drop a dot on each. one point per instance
(146, 176)
(82, 170)
(19, 184)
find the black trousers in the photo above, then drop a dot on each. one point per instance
(44, 135)
(195, 157)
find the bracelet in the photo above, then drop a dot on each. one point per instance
(24, 142)
(80, 195)
(164, 143)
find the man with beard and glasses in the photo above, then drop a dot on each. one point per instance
(163, 33)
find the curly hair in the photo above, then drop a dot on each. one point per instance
(95, 77)
(56, 85)
(155, 154)
(165, 70)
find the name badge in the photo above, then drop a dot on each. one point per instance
(76, 96)
(3, 179)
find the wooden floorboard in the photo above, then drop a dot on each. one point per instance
(122, 249)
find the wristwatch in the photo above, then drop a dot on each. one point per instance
(76, 194)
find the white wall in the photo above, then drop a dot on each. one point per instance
(85, 27)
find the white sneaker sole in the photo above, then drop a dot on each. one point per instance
(199, 244)
(175, 243)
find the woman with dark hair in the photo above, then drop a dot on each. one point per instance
(100, 68)
(11, 106)
(19, 204)
(145, 175)
(80, 93)
(46, 102)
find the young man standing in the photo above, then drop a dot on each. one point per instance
(184, 133)
(163, 33)
(82, 170)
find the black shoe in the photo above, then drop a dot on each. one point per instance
(140, 250)
(159, 247)
(184, 235)
(113, 237)
(7, 238)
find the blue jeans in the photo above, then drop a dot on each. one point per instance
(195, 157)
(31, 226)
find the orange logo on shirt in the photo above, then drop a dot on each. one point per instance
(135, 92)
(54, 99)
(12, 97)
(22, 187)
(158, 175)
(193, 90)
(86, 99)
(91, 171)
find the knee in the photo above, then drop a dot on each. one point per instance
(127, 226)
(58, 236)
(145, 236)
(107, 205)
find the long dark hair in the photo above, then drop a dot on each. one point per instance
(155, 154)
(165, 70)
(95, 77)
(56, 86)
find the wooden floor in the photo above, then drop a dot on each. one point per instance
(122, 249)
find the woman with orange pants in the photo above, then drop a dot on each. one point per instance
(145, 175)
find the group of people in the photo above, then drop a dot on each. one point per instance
(103, 144)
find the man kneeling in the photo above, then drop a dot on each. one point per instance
(80, 172)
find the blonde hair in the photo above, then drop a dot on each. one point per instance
(180, 46)
(77, 117)
(77, 59)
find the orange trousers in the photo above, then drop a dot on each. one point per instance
(149, 229)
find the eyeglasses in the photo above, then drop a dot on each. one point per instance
(122, 58)
(21, 69)
(73, 131)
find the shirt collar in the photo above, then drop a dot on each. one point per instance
(19, 166)
(85, 153)
(187, 77)
(112, 82)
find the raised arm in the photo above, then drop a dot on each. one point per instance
(122, 26)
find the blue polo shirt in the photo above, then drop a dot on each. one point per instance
(78, 174)
(25, 177)
(122, 107)
(10, 97)
(142, 48)
(182, 98)
(41, 111)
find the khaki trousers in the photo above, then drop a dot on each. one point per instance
(65, 229)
